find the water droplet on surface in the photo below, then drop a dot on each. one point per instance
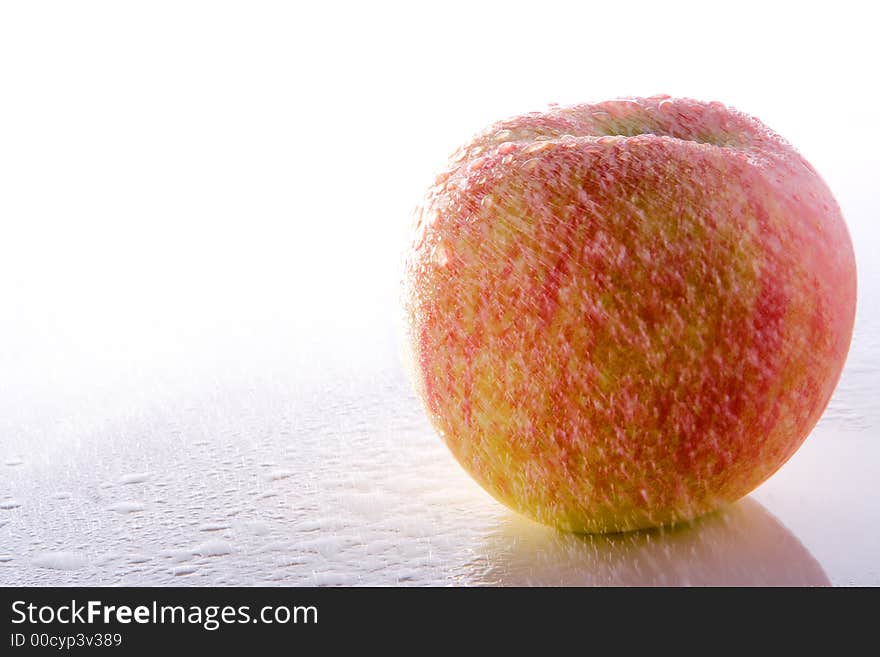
(135, 478)
(213, 549)
(60, 560)
(127, 507)
(257, 527)
(8, 505)
(179, 556)
(13, 461)
(182, 571)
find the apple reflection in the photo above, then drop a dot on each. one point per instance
(741, 545)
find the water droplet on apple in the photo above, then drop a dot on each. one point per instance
(530, 165)
(476, 165)
(538, 146)
(440, 256)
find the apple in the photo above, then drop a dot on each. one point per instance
(627, 314)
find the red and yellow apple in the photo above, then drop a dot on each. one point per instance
(627, 314)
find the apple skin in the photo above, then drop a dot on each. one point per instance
(627, 314)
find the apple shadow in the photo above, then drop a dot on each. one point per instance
(741, 545)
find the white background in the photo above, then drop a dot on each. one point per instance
(204, 196)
